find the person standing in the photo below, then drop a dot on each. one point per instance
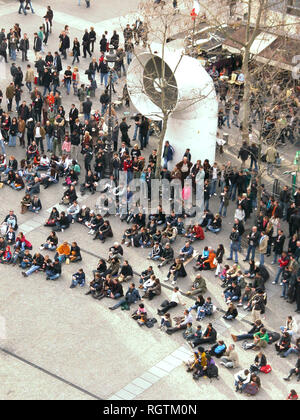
(29, 5)
(37, 45)
(86, 43)
(270, 159)
(22, 8)
(24, 47)
(92, 37)
(10, 93)
(64, 44)
(49, 16)
(3, 49)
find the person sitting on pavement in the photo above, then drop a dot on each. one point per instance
(37, 263)
(195, 233)
(176, 299)
(131, 297)
(181, 323)
(186, 252)
(250, 334)
(230, 358)
(294, 371)
(231, 313)
(78, 278)
(176, 270)
(126, 272)
(198, 286)
(209, 337)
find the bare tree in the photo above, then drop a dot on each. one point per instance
(159, 80)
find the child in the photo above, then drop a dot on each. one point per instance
(10, 236)
(66, 146)
(6, 257)
(189, 332)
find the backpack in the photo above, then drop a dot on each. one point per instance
(212, 372)
(150, 322)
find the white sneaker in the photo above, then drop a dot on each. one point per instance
(62, 230)
(166, 279)
(174, 283)
(73, 220)
(281, 284)
(41, 248)
(274, 282)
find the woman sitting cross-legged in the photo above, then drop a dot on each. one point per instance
(216, 224)
(35, 205)
(51, 242)
(52, 219)
(231, 313)
(75, 254)
(176, 270)
(62, 222)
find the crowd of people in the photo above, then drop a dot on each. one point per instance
(60, 144)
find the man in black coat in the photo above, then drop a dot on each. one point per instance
(57, 62)
(64, 44)
(46, 81)
(86, 107)
(124, 127)
(37, 45)
(278, 246)
(73, 115)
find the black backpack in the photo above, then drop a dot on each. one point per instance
(212, 372)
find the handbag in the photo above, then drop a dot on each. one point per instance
(266, 369)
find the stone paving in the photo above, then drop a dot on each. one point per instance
(70, 346)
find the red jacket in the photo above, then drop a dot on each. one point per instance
(127, 165)
(283, 261)
(198, 232)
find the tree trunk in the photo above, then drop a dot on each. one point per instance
(259, 174)
(160, 146)
(246, 96)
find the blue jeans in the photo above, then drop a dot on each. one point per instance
(13, 55)
(214, 230)
(12, 141)
(251, 250)
(278, 275)
(49, 142)
(52, 276)
(22, 8)
(284, 207)
(234, 250)
(224, 208)
(68, 86)
(233, 192)
(104, 77)
(285, 286)
(48, 246)
(129, 57)
(45, 90)
(29, 4)
(290, 351)
(213, 186)
(2, 147)
(32, 269)
(226, 118)
(136, 129)
(29, 86)
(75, 282)
(262, 259)
(255, 163)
